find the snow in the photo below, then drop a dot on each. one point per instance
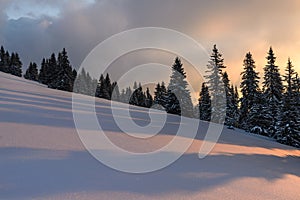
(42, 157)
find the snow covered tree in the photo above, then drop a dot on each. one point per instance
(115, 96)
(230, 118)
(85, 84)
(80, 83)
(289, 127)
(160, 95)
(178, 98)
(216, 85)
(204, 104)
(122, 96)
(32, 72)
(125, 95)
(250, 91)
(235, 112)
(272, 90)
(258, 118)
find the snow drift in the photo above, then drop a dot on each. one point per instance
(42, 157)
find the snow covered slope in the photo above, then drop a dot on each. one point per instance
(42, 157)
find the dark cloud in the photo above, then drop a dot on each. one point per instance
(237, 26)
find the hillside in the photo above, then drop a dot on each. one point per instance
(42, 157)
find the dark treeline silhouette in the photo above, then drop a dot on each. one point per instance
(10, 64)
(273, 110)
(57, 73)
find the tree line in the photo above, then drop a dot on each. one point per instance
(273, 110)
(10, 63)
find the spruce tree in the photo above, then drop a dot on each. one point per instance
(63, 78)
(122, 95)
(4, 60)
(100, 87)
(235, 103)
(107, 88)
(138, 97)
(204, 104)
(115, 92)
(43, 76)
(85, 84)
(15, 65)
(230, 109)
(32, 72)
(149, 99)
(157, 94)
(258, 117)
(250, 91)
(160, 95)
(216, 85)
(49, 70)
(289, 127)
(178, 98)
(126, 95)
(272, 89)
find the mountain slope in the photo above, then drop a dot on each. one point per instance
(42, 157)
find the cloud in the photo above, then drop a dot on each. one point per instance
(237, 26)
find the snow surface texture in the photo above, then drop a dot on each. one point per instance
(41, 156)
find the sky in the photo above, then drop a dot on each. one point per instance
(36, 28)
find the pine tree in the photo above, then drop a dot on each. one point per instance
(160, 94)
(4, 60)
(43, 76)
(250, 91)
(230, 109)
(216, 85)
(204, 104)
(85, 84)
(258, 117)
(172, 103)
(32, 72)
(64, 77)
(235, 103)
(273, 89)
(149, 99)
(178, 98)
(157, 94)
(15, 65)
(138, 97)
(115, 92)
(122, 95)
(100, 87)
(107, 88)
(289, 127)
(49, 71)
(2, 52)
(80, 85)
(126, 95)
